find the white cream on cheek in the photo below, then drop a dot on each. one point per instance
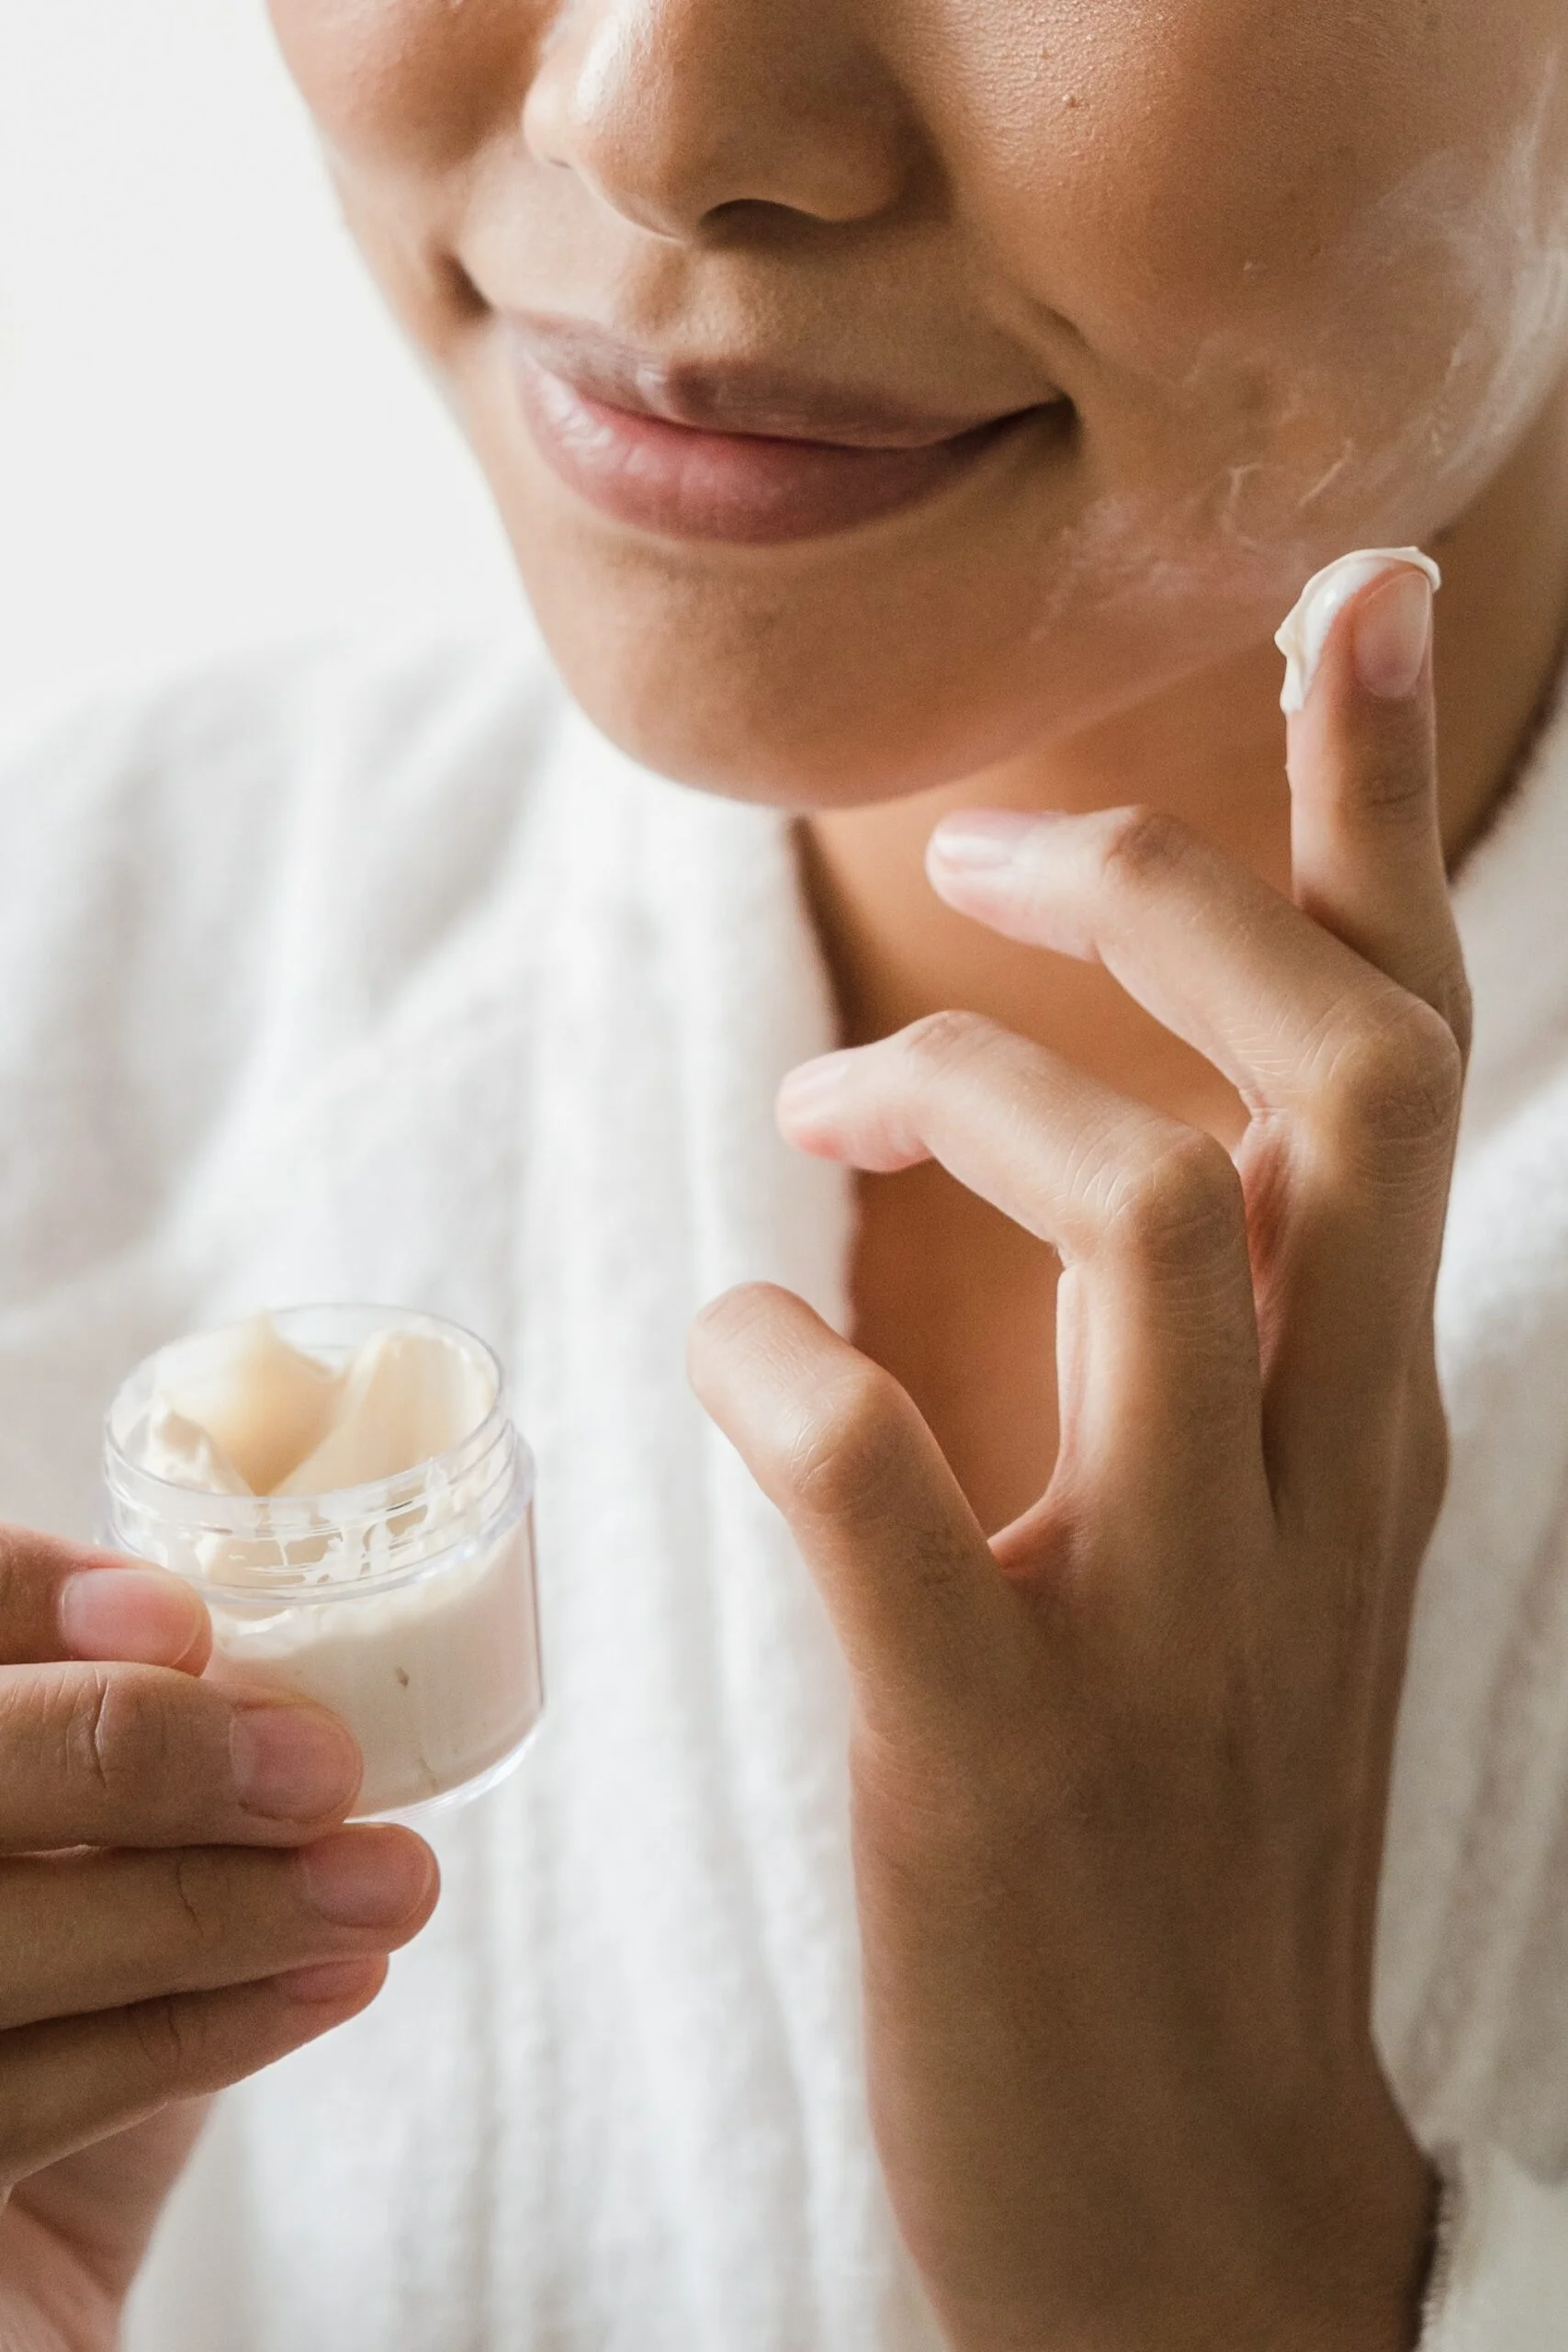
(1201, 568)
(1444, 326)
(1504, 244)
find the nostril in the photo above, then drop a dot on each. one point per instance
(685, 125)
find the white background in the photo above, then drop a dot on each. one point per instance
(209, 434)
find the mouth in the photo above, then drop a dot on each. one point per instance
(735, 454)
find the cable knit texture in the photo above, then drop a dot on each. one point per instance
(338, 975)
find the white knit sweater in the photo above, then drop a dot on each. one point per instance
(337, 976)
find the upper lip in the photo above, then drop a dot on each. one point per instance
(735, 396)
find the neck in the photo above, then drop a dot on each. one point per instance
(1212, 751)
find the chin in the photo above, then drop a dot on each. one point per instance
(777, 715)
(811, 678)
(843, 674)
(811, 704)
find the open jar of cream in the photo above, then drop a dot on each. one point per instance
(345, 1487)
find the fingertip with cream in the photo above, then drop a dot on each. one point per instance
(1390, 659)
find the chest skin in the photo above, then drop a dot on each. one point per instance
(959, 1305)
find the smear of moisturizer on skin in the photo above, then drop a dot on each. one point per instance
(1497, 244)
(1506, 244)
(1495, 240)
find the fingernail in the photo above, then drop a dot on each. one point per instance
(370, 1878)
(814, 1083)
(980, 840)
(1303, 636)
(292, 1763)
(133, 1614)
(1394, 628)
(332, 1981)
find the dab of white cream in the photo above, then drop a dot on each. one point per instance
(1303, 636)
(253, 1415)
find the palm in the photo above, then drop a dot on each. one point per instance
(73, 2235)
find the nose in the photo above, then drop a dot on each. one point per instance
(676, 111)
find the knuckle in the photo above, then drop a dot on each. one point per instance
(171, 2038)
(1181, 1202)
(939, 1041)
(202, 1897)
(846, 1447)
(1392, 789)
(1139, 846)
(118, 1733)
(1398, 1082)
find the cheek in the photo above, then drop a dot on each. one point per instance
(407, 85)
(1417, 350)
(1139, 167)
(1289, 255)
(1458, 280)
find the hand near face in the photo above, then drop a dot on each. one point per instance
(1120, 1774)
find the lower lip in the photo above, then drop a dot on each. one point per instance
(743, 489)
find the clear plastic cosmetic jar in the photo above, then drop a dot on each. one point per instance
(407, 1606)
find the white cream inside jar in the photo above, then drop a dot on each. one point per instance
(345, 1487)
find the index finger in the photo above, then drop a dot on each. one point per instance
(123, 1755)
(60, 1601)
(1366, 836)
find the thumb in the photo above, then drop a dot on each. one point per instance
(917, 1601)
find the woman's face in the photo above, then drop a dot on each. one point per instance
(1116, 318)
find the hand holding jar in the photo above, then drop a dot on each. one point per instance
(179, 1906)
(347, 1530)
